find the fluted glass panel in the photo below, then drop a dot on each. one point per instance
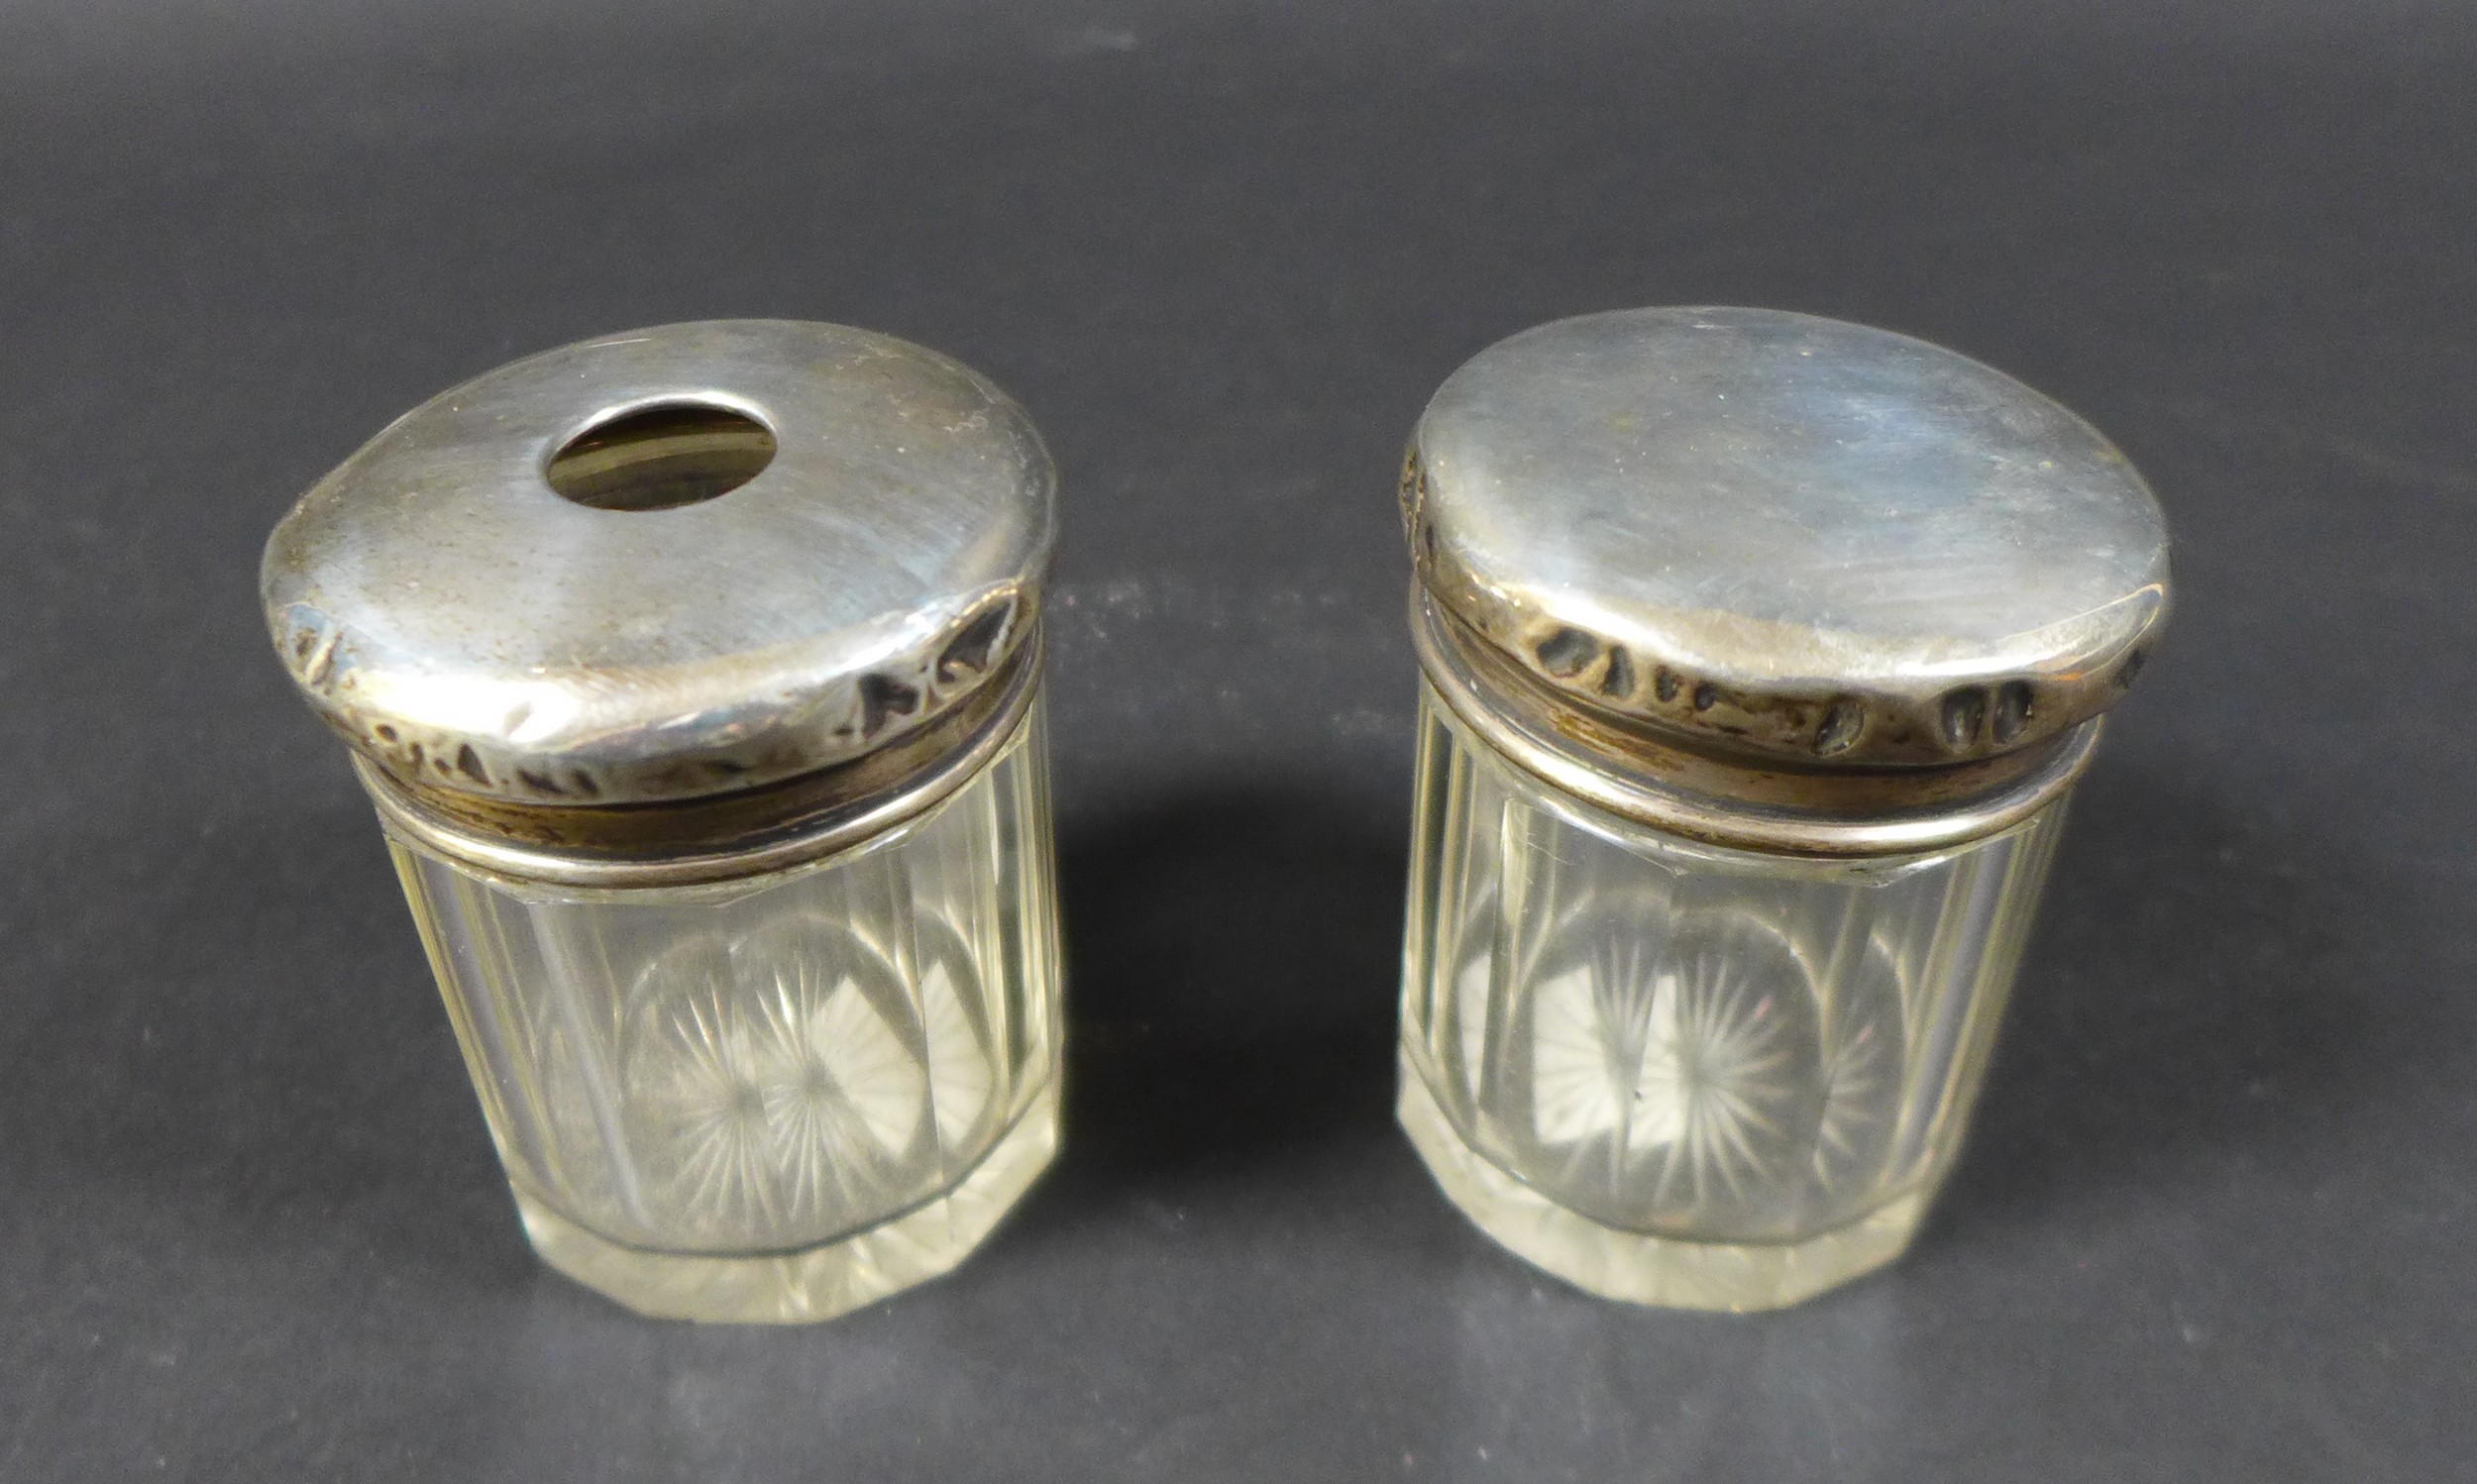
(1684, 1074)
(755, 1078)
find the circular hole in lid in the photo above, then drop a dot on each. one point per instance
(662, 457)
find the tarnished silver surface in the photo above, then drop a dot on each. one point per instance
(465, 626)
(810, 831)
(1838, 812)
(1787, 536)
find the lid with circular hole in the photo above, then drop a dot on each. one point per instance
(666, 564)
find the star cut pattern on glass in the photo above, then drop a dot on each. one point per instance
(783, 1108)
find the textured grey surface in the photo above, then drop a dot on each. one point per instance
(2215, 1224)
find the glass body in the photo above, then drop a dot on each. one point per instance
(774, 1099)
(1683, 1075)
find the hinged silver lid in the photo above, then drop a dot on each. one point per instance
(475, 631)
(1786, 536)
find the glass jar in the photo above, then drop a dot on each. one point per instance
(1761, 653)
(694, 674)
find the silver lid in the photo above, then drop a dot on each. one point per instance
(1786, 537)
(478, 634)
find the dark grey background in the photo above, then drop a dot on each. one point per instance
(2216, 1220)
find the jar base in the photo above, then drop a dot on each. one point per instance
(814, 1283)
(1614, 1263)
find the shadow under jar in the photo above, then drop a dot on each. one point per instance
(1761, 652)
(695, 673)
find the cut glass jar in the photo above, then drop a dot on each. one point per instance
(695, 673)
(1760, 651)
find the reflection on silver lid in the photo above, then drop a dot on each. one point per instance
(666, 564)
(1787, 535)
